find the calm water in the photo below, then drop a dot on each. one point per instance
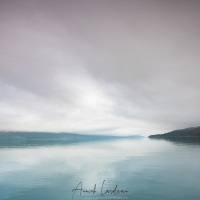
(147, 169)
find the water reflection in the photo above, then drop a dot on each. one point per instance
(181, 140)
(148, 169)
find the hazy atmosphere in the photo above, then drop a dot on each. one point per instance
(99, 67)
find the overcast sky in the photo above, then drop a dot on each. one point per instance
(100, 67)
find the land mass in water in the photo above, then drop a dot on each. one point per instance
(189, 135)
(19, 138)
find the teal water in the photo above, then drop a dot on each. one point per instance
(147, 169)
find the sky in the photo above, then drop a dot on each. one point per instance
(99, 67)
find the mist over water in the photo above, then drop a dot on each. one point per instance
(147, 169)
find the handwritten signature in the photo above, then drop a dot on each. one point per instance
(79, 190)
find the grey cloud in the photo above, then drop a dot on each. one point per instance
(122, 67)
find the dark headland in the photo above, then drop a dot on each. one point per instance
(189, 135)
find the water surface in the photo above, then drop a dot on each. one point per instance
(147, 169)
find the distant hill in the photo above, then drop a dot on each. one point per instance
(193, 132)
(188, 135)
(17, 138)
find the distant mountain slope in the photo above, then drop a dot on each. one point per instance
(44, 136)
(193, 132)
(9, 138)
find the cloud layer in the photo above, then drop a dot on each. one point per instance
(102, 67)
